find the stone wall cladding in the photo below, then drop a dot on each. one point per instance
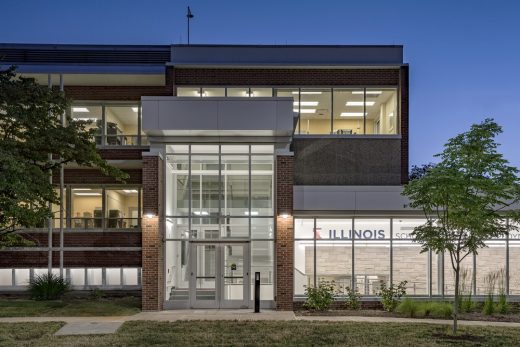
(284, 233)
(152, 248)
(38, 259)
(347, 161)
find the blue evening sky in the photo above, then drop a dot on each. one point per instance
(464, 55)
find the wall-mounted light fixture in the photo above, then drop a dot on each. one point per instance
(284, 215)
(149, 215)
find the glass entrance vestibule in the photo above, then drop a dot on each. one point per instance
(219, 225)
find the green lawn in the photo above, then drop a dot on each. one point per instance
(70, 307)
(261, 333)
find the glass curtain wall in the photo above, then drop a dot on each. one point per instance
(218, 193)
(363, 253)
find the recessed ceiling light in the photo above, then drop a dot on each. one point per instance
(306, 103)
(134, 109)
(308, 93)
(360, 103)
(201, 213)
(305, 110)
(253, 213)
(88, 194)
(351, 114)
(81, 189)
(373, 92)
(80, 109)
(129, 191)
(85, 119)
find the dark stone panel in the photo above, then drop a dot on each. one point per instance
(25, 259)
(347, 161)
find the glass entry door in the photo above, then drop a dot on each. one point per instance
(219, 276)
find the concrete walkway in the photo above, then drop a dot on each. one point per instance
(103, 325)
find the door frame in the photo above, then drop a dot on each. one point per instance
(219, 301)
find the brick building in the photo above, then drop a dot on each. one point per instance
(283, 160)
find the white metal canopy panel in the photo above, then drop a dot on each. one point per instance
(184, 116)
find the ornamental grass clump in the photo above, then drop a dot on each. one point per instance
(321, 297)
(48, 287)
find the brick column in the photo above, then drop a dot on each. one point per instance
(152, 280)
(284, 233)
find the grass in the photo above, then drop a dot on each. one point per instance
(70, 307)
(261, 333)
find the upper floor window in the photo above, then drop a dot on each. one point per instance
(325, 111)
(115, 124)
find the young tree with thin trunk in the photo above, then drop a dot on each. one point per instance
(465, 198)
(30, 130)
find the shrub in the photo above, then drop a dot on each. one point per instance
(319, 298)
(409, 307)
(353, 298)
(391, 296)
(48, 287)
(439, 309)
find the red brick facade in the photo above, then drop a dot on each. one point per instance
(284, 232)
(152, 247)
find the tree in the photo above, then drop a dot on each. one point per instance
(30, 130)
(465, 197)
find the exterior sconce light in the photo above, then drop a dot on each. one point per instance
(284, 215)
(149, 215)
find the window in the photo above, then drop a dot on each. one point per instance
(115, 124)
(86, 208)
(122, 208)
(121, 125)
(91, 114)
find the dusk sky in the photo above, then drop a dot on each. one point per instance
(464, 55)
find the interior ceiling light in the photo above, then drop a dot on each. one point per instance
(253, 213)
(352, 114)
(305, 110)
(80, 109)
(88, 194)
(306, 103)
(308, 93)
(76, 189)
(201, 213)
(360, 103)
(130, 191)
(134, 109)
(373, 92)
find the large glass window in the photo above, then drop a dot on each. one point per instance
(122, 208)
(115, 124)
(86, 208)
(315, 109)
(93, 115)
(121, 125)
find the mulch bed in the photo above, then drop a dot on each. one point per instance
(379, 313)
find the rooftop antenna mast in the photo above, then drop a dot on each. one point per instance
(189, 15)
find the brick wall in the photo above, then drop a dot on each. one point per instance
(287, 77)
(152, 250)
(87, 239)
(284, 233)
(403, 86)
(94, 176)
(28, 259)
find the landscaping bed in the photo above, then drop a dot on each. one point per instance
(70, 306)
